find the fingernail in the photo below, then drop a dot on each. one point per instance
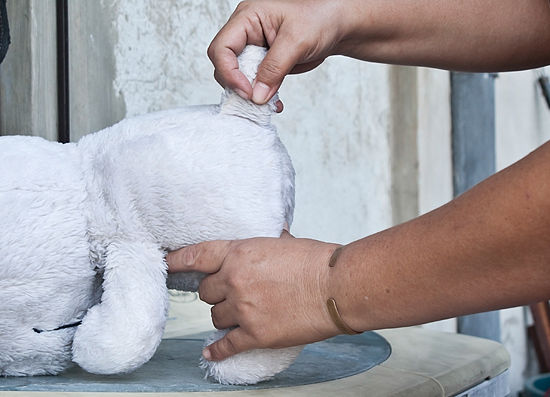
(206, 354)
(260, 91)
(241, 93)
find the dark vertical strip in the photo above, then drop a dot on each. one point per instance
(63, 120)
(473, 140)
(4, 30)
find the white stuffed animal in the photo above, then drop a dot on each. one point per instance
(85, 228)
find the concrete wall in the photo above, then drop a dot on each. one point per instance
(28, 91)
(94, 102)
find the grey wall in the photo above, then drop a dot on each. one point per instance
(28, 92)
(473, 132)
(94, 102)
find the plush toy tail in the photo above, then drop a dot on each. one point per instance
(233, 104)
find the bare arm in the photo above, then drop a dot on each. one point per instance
(468, 35)
(487, 249)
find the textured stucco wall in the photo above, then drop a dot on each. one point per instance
(94, 101)
(334, 125)
(435, 176)
(160, 52)
(522, 117)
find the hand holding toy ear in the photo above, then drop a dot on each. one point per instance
(273, 290)
(467, 36)
(294, 46)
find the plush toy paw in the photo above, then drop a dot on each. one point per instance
(249, 367)
(102, 346)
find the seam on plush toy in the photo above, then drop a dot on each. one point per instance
(76, 324)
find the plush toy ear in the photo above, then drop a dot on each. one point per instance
(124, 330)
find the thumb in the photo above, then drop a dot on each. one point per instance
(235, 341)
(280, 59)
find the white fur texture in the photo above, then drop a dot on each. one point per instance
(249, 367)
(85, 228)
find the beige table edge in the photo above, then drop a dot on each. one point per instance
(423, 363)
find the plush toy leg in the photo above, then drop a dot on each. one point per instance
(124, 330)
(249, 367)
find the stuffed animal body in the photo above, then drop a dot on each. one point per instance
(85, 228)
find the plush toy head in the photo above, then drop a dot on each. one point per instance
(86, 226)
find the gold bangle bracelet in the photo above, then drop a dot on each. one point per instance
(333, 308)
(337, 319)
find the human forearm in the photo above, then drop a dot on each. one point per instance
(487, 249)
(468, 35)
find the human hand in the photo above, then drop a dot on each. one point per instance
(272, 290)
(299, 34)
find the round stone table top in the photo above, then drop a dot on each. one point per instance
(174, 368)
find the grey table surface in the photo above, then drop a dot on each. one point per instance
(174, 368)
(422, 363)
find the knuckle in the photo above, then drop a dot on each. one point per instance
(218, 77)
(238, 313)
(190, 254)
(234, 281)
(270, 72)
(211, 51)
(253, 327)
(203, 295)
(243, 5)
(215, 320)
(242, 310)
(214, 351)
(230, 345)
(301, 44)
(256, 336)
(246, 316)
(239, 249)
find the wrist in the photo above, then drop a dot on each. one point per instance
(332, 306)
(320, 288)
(341, 291)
